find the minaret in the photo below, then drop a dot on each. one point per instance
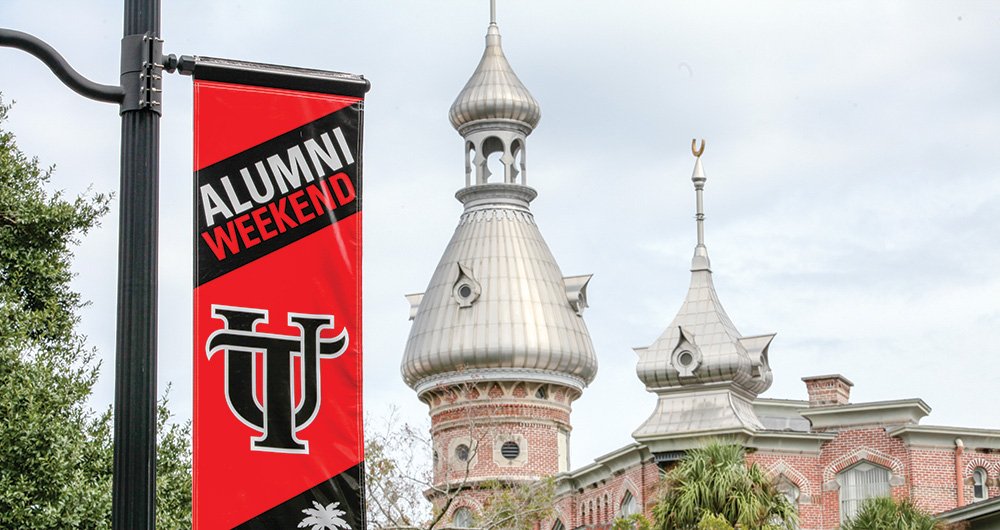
(704, 372)
(498, 349)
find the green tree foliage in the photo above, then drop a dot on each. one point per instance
(55, 452)
(635, 521)
(37, 307)
(173, 471)
(55, 467)
(884, 513)
(714, 482)
(711, 521)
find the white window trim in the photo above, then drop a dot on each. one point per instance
(629, 505)
(982, 484)
(868, 490)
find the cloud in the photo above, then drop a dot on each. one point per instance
(851, 160)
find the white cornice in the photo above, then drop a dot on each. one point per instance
(783, 404)
(786, 442)
(498, 374)
(663, 442)
(878, 413)
(603, 468)
(930, 436)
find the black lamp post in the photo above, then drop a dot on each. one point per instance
(134, 489)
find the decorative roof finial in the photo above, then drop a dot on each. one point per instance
(700, 150)
(700, 260)
(494, 93)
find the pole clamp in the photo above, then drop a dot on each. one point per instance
(142, 73)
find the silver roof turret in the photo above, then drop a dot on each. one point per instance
(494, 113)
(494, 92)
(705, 372)
(498, 307)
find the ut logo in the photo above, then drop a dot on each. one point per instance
(278, 414)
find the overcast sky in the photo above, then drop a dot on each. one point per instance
(853, 195)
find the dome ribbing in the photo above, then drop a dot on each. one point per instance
(494, 92)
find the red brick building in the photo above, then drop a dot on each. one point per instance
(499, 350)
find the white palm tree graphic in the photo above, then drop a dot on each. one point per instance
(324, 518)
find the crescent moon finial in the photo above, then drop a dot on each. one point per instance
(699, 151)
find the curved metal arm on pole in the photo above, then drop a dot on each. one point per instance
(70, 77)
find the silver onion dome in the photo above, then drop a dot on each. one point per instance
(497, 306)
(494, 92)
(705, 373)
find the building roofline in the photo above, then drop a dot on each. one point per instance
(790, 441)
(938, 436)
(603, 467)
(989, 507)
(871, 413)
(799, 403)
(663, 442)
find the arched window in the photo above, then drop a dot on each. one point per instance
(629, 505)
(462, 518)
(462, 452)
(859, 483)
(979, 484)
(517, 149)
(492, 150)
(558, 525)
(470, 157)
(788, 489)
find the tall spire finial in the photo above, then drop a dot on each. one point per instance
(697, 152)
(700, 260)
(493, 12)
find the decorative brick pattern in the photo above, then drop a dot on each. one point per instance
(483, 416)
(597, 505)
(863, 453)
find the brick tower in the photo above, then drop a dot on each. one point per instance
(498, 348)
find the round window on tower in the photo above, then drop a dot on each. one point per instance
(685, 358)
(462, 453)
(510, 450)
(465, 291)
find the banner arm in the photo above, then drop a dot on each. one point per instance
(47, 54)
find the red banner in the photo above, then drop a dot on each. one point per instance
(278, 440)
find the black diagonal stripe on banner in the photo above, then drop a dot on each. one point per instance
(235, 228)
(319, 506)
